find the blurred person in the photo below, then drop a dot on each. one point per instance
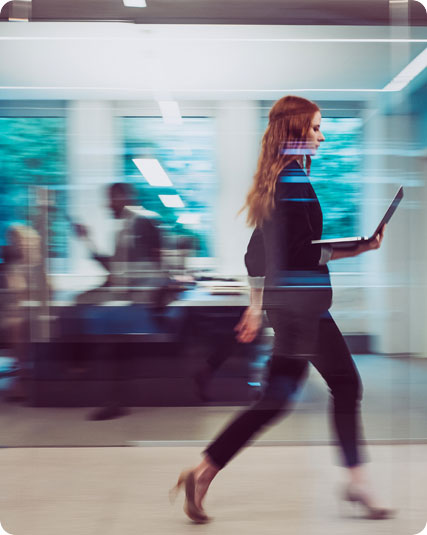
(137, 248)
(135, 273)
(290, 279)
(134, 266)
(20, 278)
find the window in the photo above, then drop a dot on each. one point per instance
(337, 176)
(32, 153)
(186, 153)
(338, 181)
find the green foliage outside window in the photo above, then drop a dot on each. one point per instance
(186, 152)
(336, 175)
(32, 153)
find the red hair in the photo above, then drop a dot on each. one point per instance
(289, 123)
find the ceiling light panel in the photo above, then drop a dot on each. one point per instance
(134, 3)
(153, 172)
(189, 219)
(170, 112)
(172, 201)
(415, 67)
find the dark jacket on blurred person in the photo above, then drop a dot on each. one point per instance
(137, 253)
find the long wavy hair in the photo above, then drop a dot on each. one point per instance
(283, 142)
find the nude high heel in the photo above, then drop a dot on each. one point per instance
(372, 513)
(187, 480)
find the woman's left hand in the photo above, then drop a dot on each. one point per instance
(249, 325)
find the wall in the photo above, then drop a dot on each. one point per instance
(396, 293)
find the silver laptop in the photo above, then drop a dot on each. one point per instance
(342, 243)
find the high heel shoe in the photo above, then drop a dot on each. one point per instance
(187, 480)
(357, 497)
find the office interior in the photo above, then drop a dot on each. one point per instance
(89, 94)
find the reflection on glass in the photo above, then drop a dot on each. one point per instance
(32, 153)
(186, 153)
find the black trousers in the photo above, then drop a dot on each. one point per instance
(300, 339)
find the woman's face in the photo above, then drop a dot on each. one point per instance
(315, 136)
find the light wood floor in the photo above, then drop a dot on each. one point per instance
(264, 491)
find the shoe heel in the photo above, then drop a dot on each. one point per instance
(174, 491)
(186, 481)
(359, 502)
(347, 508)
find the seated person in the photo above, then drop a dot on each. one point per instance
(21, 279)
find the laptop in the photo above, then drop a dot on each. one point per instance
(342, 243)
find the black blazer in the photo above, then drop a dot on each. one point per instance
(281, 250)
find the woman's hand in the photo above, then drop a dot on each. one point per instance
(370, 245)
(249, 324)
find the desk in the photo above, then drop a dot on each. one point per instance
(148, 356)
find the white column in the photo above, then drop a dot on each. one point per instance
(92, 164)
(422, 296)
(239, 134)
(396, 286)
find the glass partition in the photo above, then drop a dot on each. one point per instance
(186, 153)
(33, 153)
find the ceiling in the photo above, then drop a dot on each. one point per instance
(125, 61)
(265, 12)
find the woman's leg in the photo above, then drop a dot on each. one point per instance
(286, 374)
(335, 364)
(288, 367)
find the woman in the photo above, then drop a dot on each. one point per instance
(21, 275)
(284, 209)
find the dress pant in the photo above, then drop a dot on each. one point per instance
(300, 338)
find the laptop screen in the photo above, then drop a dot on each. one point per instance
(391, 209)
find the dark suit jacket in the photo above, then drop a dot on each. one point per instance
(281, 249)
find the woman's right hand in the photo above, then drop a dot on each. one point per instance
(371, 245)
(363, 247)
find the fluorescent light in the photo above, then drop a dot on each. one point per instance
(153, 172)
(172, 201)
(170, 111)
(189, 219)
(135, 3)
(414, 68)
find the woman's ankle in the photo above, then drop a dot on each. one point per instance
(357, 476)
(360, 484)
(206, 467)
